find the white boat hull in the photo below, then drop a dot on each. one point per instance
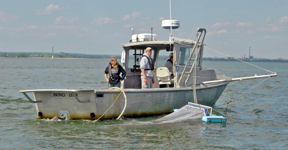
(92, 104)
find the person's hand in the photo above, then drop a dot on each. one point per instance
(153, 81)
(145, 80)
(107, 80)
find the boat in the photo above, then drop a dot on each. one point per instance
(191, 82)
(137, 102)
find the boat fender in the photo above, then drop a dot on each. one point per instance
(92, 115)
(40, 114)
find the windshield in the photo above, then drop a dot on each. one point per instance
(162, 58)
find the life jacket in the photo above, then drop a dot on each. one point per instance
(170, 61)
(113, 73)
(150, 63)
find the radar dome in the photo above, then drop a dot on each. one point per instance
(175, 24)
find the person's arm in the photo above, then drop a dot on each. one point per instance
(144, 76)
(123, 72)
(106, 78)
(105, 74)
(142, 67)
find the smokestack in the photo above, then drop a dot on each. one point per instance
(249, 52)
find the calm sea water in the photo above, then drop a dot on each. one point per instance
(256, 120)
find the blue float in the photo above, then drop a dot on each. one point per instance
(214, 119)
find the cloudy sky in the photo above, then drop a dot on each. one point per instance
(102, 26)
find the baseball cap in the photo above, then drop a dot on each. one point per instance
(148, 49)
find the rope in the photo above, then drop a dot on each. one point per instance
(124, 108)
(242, 94)
(240, 60)
(248, 89)
(125, 98)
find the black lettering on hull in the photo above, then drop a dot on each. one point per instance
(59, 94)
(72, 94)
(63, 94)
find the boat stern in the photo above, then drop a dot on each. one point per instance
(73, 104)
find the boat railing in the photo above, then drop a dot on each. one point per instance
(79, 100)
(196, 46)
(32, 101)
(241, 78)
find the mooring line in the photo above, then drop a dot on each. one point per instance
(121, 91)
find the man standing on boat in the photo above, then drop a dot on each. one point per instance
(146, 66)
(169, 64)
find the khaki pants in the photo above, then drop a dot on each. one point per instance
(148, 84)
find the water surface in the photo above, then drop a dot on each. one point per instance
(256, 120)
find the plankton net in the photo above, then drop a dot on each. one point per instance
(187, 112)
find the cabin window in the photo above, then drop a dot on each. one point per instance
(162, 58)
(135, 56)
(184, 54)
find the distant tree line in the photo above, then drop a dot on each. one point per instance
(49, 55)
(14, 55)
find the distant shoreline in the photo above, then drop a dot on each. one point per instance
(87, 56)
(57, 57)
(246, 60)
(204, 59)
(49, 55)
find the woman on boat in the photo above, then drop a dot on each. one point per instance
(116, 73)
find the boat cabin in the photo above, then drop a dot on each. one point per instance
(186, 54)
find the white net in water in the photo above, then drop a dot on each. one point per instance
(189, 111)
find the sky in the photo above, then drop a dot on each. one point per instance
(103, 26)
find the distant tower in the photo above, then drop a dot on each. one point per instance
(249, 52)
(52, 52)
(250, 56)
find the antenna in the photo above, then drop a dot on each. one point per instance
(152, 34)
(170, 19)
(170, 24)
(132, 29)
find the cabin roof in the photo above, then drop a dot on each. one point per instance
(158, 44)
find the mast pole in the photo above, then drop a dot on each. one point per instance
(170, 22)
